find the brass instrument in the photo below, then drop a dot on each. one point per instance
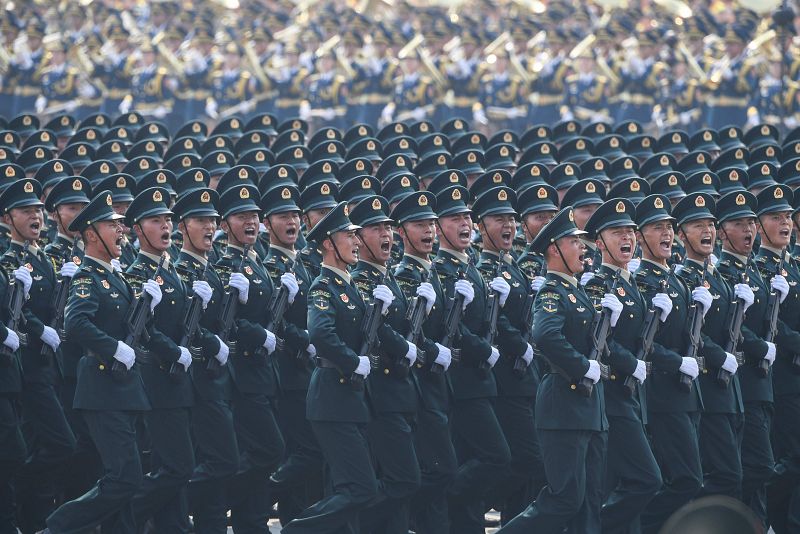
(694, 66)
(415, 46)
(752, 47)
(255, 64)
(173, 62)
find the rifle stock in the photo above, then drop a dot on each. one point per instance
(452, 322)
(600, 332)
(695, 330)
(773, 309)
(16, 299)
(735, 320)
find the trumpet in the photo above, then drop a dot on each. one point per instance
(415, 46)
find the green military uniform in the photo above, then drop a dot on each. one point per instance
(392, 390)
(99, 303)
(572, 428)
(213, 433)
(481, 446)
(261, 445)
(338, 412)
(674, 414)
(166, 381)
(632, 476)
(47, 432)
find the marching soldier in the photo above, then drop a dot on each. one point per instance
(572, 428)
(537, 205)
(642, 80)
(97, 309)
(414, 94)
(231, 85)
(25, 73)
(213, 433)
(336, 408)
(375, 81)
(327, 95)
(289, 80)
(151, 87)
(317, 200)
(261, 444)
(730, 82)
(632, 474)
(502, 96)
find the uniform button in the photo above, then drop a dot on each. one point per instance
(631, 316)
(101, 367)
(341, 380)
(613, 377)
(172, 302)
(386, 371)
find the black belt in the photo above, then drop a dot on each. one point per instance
(325, 364)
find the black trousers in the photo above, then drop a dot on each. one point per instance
(391, 442)
(438, 466)
(261, 448)
(12, 456)
(217, 456)
(84, 467)
(109, 502)
(51, 444)
(758, 462)
(783, 493)
(632, 476)
(483, 457)
(574, 463)
(721, 453)
(676, 446)
(352, 483)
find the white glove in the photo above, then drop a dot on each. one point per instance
(634, 264)
(125, 355)
(50, 337)
(363, 366)
(479, 116)
(125, 106)
(663, 303)
(689, 367)
(465, 288)
(116, 265)
(444, 357)
(222, 355)
(593, 373)
(160, 112)
(24, 275)
(780, 285)
(640, 373)
(585, 277)
(270, 342)
(304, 112)
(502, 288)
(68, 270)
(152, 288)
(528, 356)
(743, 291)
(425, 290)
(40, 104)
(612, 303)
(12, 340)
(328, 114)
(418, 114)
(86, 91)
(713, 259)
(211, 108)
(770, 356)
(678, 269)
(730, 364)
(242, 284)
(185, 358)
(538, 282)
(411, 355)
(387, 113)
(202, 290)
(702, 296)
(290, 282)
(493, 357)
(791, 122)
(385, 295)
(311, 350)
(567, 115)
(685, 117)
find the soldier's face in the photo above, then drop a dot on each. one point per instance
(26, 222)
(739, 234)
(776, 229)
(104, 232)
(198, 233)
(657, 238)
(120, 208)
(456, 231)
(498, 231)
(377, 240)
(242, 228)
(583, 214)
(699, 236)
(347, 243)
(617, 245)
(418, 237)
(312, 217)
(154, 233)
(534, 222)
(65, 213)
(284, 228)
(572, 249)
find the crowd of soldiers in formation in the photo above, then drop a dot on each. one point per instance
(503, 64)
(580, 326)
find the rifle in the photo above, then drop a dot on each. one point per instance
(520, 365)
(451, 324)
(136, 323)
(191, 324)
(773, 308)
(492, 313)
(16, 299)
(230, 306)
(369, 329)
(695, 342)
(735, 320)
(416, 317)
(62, 294)
(651, 321)
(601, 329)
(278, 307)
